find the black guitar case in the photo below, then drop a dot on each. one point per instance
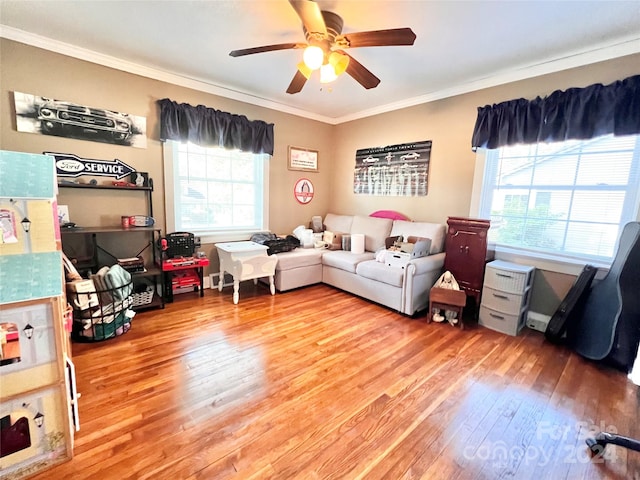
(609, 327)
(571, 308)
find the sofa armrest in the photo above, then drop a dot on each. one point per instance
(421, 274)
(427, 264)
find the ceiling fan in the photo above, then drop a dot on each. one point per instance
(325, 47)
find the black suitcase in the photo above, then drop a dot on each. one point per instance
(570, 310)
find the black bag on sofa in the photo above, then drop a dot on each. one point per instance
(262, 237)
(276, 244)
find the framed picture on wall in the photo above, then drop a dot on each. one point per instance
(303, 159)
(61, 118)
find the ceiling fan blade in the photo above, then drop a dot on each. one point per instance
(360, 73)
(297, 83)
(377, 38)
(311, 16)
(266, 48)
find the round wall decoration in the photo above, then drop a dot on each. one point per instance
(303, 191)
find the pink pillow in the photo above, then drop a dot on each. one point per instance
(389, 214)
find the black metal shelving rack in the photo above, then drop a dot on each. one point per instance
(153, 272)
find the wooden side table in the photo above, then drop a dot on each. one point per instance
(245, 261)
(447, 299)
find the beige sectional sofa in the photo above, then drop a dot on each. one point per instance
(403, 289)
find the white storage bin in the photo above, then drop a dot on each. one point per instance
(508, 277)
(505, 302)
(502, 322)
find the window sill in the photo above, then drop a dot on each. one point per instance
(209, 238)
(552, 263)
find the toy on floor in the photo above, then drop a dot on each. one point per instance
(447, 281)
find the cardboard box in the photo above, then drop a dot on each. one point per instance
(333, 240)
(396, 259)
(400, 253)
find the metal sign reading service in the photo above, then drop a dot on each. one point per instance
(69, 165)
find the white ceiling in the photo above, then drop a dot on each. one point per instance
(461, 45)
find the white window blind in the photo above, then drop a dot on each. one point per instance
(570, 198)
(216, 191)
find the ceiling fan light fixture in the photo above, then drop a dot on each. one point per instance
(305, 70)
(327, 73)
(339, 62)
(325, 43)
(313, 57)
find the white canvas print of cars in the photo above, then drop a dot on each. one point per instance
(369, 159)
(56, 117)
(410, 156)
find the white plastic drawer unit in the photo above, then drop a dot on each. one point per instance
(505, 296)
(505, 302)
(508, 277)
(502, 322)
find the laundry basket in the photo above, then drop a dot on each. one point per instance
(101, 314)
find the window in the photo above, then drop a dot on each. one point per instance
(569, 199)
(213, 191)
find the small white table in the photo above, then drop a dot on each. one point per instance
(245, 261)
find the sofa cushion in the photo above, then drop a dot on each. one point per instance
(375, 230)
(300, 257)
(434, 231)
(345, 260)
(338, 223)
(380, 272)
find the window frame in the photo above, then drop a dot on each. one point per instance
(559, 262)
(210, 236)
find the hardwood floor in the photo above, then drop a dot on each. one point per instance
(319, 384)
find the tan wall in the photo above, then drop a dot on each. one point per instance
(448, 123)
(35, 71)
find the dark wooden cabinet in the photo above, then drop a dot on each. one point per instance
(467, 253)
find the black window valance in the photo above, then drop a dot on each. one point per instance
(209, 127)
(574, 114)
